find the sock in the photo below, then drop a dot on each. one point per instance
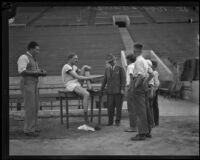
(86, 117)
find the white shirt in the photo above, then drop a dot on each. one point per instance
(129, 71)
(155, 81)
(141, 67)
(66, 77)
(23, 62)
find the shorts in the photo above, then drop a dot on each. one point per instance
(71, 85)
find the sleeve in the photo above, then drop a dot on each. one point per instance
(156, 80)
(104, 80)
(128, 75)
(67, 68)
(123, 78)
(151, 82)
(22, 63)
(138, 68)
(132, 69)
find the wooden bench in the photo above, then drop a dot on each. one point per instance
(66, 95)
(166, 88)
(172, 90)
(43, 97)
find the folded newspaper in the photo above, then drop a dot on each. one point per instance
(86, 128)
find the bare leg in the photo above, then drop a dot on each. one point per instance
(85, 72)
(85, 94)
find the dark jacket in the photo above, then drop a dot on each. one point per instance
(114, 80)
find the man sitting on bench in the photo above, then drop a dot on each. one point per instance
(73, 78)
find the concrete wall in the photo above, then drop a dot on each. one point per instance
(191, 91)
(165, 74)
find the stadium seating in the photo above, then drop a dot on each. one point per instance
(97, 41)
(26, 14)
(176, 41)
(104, 14)
(64, 16)
(90, 43)
(171, 14)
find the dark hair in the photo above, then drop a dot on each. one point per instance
(131, 57)
(32, 45)
(154, 63)
(71, 56)
(138, 46)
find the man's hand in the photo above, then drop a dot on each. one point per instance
(128, 87)
(87, 68)
(40, 72)
(36, 73)
(151, 96)
(151, 93)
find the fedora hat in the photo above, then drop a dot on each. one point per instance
(110, 57)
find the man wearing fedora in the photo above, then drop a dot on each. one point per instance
(114, 81)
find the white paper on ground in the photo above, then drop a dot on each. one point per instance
(86, 128)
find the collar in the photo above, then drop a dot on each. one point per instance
(29, 53)
(113, 67)
(140, 56)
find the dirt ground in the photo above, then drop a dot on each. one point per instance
(176, 135)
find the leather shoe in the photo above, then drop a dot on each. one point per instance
(148, 135)
(139, 137)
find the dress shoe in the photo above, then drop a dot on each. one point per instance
(97, 128)
(32, 134)
(117, 124)
(139, 137)
(148, 135)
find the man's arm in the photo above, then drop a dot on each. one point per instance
(104, 80)
(30, 73)
(123, 78)
(156, 80)
(22, 65)
(75, 75)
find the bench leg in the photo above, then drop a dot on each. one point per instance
(61, 111)
(100, 105)
(92, 103)
(67, 114)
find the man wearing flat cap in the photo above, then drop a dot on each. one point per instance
(114, 81)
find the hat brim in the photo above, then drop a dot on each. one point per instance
(111, 60)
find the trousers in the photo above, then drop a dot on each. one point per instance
(131, 108)
(114, 101)
(150, 116)
(155, 108)
(139, 102)
(31, 104)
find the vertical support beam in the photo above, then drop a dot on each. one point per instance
(61, 110)
(67, 113)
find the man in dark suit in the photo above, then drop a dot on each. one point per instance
(114, 80)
